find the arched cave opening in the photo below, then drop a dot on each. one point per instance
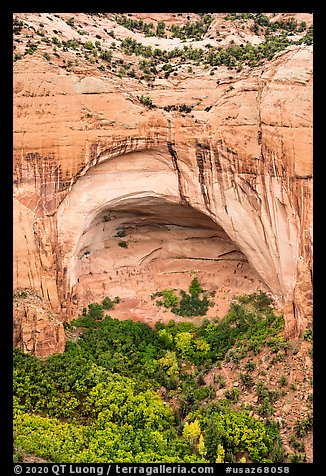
(144, 245)
(129, 235)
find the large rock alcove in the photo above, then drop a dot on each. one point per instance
(224, 193)
(125, 230)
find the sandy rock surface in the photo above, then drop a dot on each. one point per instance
(234, 176)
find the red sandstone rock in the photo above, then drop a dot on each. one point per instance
(37, 329)
(86, 147)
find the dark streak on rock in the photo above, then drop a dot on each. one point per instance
(174, 156)
(217, 161)
(201, 152)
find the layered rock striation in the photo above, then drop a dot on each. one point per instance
(229, 185)
(36, 328)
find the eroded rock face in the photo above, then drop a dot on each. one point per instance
(144, 244)
(86, 149)
(37, 329)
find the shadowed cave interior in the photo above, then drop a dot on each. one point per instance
(140, 246)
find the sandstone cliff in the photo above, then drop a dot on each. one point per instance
(91, 159)
(36, 328)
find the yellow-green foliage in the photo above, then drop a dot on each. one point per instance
(201, 446)
(238, 433)
(184, 343)
(220, 454)
(192, 431)
(57, 442)
(119, 402)
(170, 363)
(99, 401)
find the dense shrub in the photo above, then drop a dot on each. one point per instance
(302, 427)
(179, 107)
(246, 327)
(135, 25)
(190, 304)
(108, 303)
(88, 45)
(147, 101)
(99, 401)
(192, 30)
(106, 55)
(237, 434)
(70, 21)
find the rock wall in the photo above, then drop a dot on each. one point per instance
(245, 162)
(36, 328)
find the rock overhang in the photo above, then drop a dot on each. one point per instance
(137, 181)
(251, 175)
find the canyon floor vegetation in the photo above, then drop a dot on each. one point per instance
(155, 155)
(125, 392)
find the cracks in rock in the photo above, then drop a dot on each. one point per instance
(228, 252)
(263, 228)
(206, 238)
(173, 153)
(211, 259)
(252, 197)
(259, 132)
(149, 254)
(217, 161)
(201, 157)
(294, 313)
(285, 125)
(174, 272)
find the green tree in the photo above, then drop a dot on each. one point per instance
(195, 288)
(70, 21)
(160, 29)
(95, 310)
(106, 55)
(192, 431)
(184, 343)
(107, 303)
(88, 45)
(201, 446)
(170, 364)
